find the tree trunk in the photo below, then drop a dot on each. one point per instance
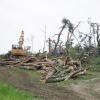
(55, 49)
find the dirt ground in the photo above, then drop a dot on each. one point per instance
(25, 80)
(89, 90)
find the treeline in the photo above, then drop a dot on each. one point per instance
(88, 43)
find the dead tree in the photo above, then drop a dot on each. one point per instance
(95, 30)
(71, 30)
(65, 22)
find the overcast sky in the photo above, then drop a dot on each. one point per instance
(32, 15)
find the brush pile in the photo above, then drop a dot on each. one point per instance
(64, 70)
(52, 70)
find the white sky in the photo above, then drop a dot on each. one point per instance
(32, 15)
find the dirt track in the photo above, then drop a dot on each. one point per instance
(23, 80)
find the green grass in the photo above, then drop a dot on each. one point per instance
(10, 93)
(34, 75)
(95, 64)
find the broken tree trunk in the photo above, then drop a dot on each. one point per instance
(72, 74)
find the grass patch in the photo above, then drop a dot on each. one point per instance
(66, 83)
(34, 75)
(95, 64)
(10, 93)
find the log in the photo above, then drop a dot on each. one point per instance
(62, 73)
(8, 62)
(30, 59)
(54, 80)
(30, 66)
(58, 75)
(50, 73)
(72, 74)
(80, 73)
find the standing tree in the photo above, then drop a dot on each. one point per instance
(69, 41)
(96, 32)
(65, 23)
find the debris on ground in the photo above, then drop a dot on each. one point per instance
(64, 71)
(52, 70)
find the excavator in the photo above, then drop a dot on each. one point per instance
(17, 50)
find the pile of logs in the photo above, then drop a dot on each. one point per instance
(64, 70)
(30, 63)
(52, 70)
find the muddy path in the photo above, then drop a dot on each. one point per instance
(25, 81)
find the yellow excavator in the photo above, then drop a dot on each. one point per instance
(17, 50)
